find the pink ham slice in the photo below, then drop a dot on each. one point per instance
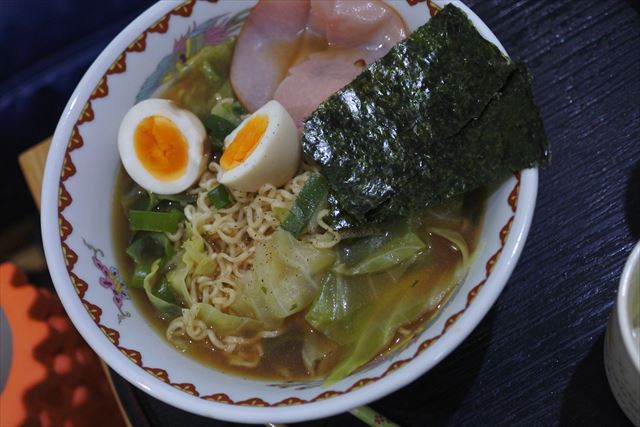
(354, 33)
(314, 80)
(256, 71)
(371, 25)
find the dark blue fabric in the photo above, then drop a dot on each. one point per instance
(45, 48)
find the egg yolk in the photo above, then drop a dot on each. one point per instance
(161, 148)
(244, 142)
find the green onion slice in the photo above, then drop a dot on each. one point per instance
(311, 197)
(220, 197)
(154, 221)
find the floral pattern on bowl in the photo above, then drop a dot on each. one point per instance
(210, 32)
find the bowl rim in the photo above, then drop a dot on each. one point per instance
(625, 293)
(510, 251)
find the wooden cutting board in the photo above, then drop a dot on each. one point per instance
(32, 164)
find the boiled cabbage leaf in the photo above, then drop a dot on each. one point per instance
(159, 293)
(223, 323)
(204, 78)
(195, 255)
(283, 279)
(390, 250)
(363, 312)
(195, 261)
(145, 249)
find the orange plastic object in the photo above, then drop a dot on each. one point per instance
(55, 379)
(25, 370)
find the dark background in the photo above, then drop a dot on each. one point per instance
(536, 359)
(45, 49)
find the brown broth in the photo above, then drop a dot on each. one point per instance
(282, 355)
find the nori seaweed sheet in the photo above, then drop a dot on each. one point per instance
(508, 136)
(386, 142)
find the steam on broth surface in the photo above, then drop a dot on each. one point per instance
(263, 266)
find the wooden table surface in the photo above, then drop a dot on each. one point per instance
(537, 357)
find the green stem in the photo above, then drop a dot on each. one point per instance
(371, 417)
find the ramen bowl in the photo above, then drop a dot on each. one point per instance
(78, 236)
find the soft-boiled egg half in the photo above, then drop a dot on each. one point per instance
(264, 148)
(163, 147)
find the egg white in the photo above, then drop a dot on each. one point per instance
(187, 123)
(276, 157)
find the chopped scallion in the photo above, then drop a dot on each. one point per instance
(311, 197)
(219, 127)
(225, 116)
(154, 221)
(220, 197)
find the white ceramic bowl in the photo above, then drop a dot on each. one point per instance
(622, 342)
(76, 225)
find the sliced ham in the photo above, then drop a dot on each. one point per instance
(371, 25)
(314, 80)
(274, 59)
(271, 31)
